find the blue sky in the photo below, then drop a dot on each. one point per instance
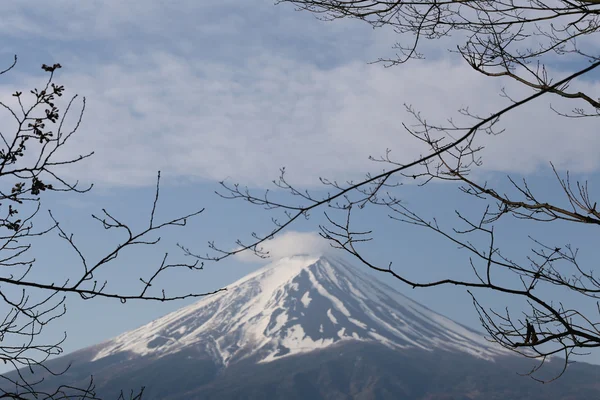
(211, 90)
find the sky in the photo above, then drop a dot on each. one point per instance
(213, 90)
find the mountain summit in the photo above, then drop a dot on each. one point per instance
(296, 305)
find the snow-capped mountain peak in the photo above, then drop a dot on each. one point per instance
(296, 305)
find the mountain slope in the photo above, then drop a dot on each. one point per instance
(296, 305)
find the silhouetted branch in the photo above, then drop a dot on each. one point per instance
(28, 161)
(506, 39)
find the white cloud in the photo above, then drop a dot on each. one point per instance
(186, 108)
(288, 244)
(216, 121)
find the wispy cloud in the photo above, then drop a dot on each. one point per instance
(288, 244)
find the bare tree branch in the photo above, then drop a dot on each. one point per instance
(508, 39)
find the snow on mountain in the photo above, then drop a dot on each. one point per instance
(296, 305)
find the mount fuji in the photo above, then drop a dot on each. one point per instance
(297, 305)
(313, 326)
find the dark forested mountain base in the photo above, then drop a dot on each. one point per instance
(345, 371)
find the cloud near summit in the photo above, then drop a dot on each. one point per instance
(288, 244)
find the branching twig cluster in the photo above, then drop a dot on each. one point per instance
(513, 39)
(28, 168)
